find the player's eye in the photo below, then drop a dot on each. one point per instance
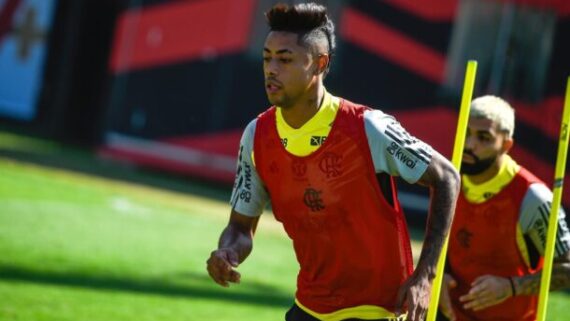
(485, 138)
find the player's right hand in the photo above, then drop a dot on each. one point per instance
(445, 300)
(221, 266)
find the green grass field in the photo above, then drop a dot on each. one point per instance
(75, 246)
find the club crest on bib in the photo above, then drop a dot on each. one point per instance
(312, 198)
(299, 169)
(331, 165)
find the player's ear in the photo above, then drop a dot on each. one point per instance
(508, 143)
(322, 63)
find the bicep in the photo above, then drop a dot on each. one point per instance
(438, 170)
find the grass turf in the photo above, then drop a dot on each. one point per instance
(80, 247)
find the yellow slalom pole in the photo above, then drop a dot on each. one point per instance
(556, 200)
(466, 97)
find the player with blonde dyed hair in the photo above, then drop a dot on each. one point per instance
(497, 110)
(499, 230)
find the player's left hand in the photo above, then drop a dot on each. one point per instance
(415, 293)
(486, 291)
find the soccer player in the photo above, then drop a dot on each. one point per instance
(326, 164)
(498, 236)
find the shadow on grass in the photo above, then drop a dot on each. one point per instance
(204, 280)
(263, 295)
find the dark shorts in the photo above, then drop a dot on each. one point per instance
(297, 314)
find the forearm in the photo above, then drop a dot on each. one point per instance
(442, 207)
(237, 239)
(530, 284)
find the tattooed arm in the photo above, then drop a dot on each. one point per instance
(489, 290)
(560, 279)
(443, 181)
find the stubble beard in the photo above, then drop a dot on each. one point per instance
(478, 167)
(283, 101)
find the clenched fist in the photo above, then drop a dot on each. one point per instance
(221, 266)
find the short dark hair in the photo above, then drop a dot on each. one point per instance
(308, 20)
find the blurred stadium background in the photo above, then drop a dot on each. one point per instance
(120, 122)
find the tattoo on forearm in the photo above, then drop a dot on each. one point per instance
(443, 206)
(527, 284)
(530, 284)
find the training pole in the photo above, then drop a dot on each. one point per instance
(466, 97)
(556, 200)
